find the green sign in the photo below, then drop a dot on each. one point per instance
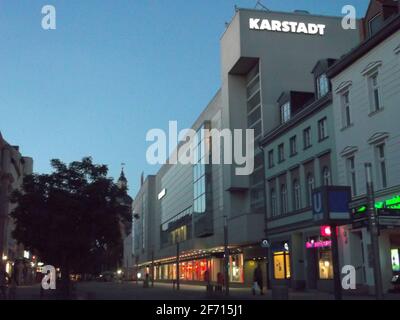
(392, 203)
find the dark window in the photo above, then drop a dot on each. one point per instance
(271, 158)
(307, 137)
(375, 24)
(293, 146)
(281, 152)
(322, 129)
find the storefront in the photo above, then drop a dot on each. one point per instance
(194, 270)
(319, 269)
(388, 210)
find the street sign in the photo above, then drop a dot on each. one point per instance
(265, 243)
(330, 205)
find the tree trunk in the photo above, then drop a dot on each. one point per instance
(65, 283)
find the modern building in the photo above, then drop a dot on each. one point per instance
(366, 96)
(13, 168)
(263, 54)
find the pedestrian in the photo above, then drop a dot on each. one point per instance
(12, 291)
(3, 282)
(258, 279)
(220, 281)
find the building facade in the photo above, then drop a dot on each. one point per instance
(262, 55)
(366, 97)
(13, 168)
(300, 157)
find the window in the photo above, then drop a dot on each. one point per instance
(285, 112)
(322, 129)
(307, 138)
(281, 152)
(351, 175)
(322, 85)
(200, 179)
(284, 205)
(326, 176)
(281, 265)
(374, 93)
(325, 264)
(274, 209)
(375, 24)
(346, 115)
(293, 146)
(296, 195)
(380, 150)
(310, 188)
(271, 158)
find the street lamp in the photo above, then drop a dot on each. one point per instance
(226, 255)
(374, 229)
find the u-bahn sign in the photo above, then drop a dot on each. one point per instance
(330, 205)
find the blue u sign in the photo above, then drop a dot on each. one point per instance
(318, 208)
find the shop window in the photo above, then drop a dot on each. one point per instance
(281, 265)
(236, 268)
(325, 264)
(395, 260)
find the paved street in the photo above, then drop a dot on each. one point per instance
(133, 291)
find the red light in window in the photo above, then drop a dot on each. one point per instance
(326, 231)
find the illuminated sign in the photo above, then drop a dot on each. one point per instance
(326, 231)
(287, 26)
(392, 203)
(318, 244)
(162, 194)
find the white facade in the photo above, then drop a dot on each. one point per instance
(366, 97)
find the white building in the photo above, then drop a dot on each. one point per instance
(366, 100)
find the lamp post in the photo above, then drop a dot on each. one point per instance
(177, 265)
(337, 286)
(226, 256)
(374, 230)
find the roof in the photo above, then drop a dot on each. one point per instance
(392, 25)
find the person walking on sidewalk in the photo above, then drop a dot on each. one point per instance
(4, 277)
(258, 279)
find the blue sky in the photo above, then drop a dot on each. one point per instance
(111, 71)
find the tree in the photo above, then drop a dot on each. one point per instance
(72, 217)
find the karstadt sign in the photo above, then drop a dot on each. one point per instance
(287, 26)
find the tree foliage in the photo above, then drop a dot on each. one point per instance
(73, 216)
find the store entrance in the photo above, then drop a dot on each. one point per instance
(312, 269)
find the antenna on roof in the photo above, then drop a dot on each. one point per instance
(260, 5)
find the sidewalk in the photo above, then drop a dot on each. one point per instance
(165, 291)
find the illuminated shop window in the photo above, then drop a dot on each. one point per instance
(236, 268)
(395, 260)
(325, 264)
(281, 265)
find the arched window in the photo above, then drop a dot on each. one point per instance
(296, 195)
(326, 176)
(274, 209)
(310, 188)
(284, 205)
